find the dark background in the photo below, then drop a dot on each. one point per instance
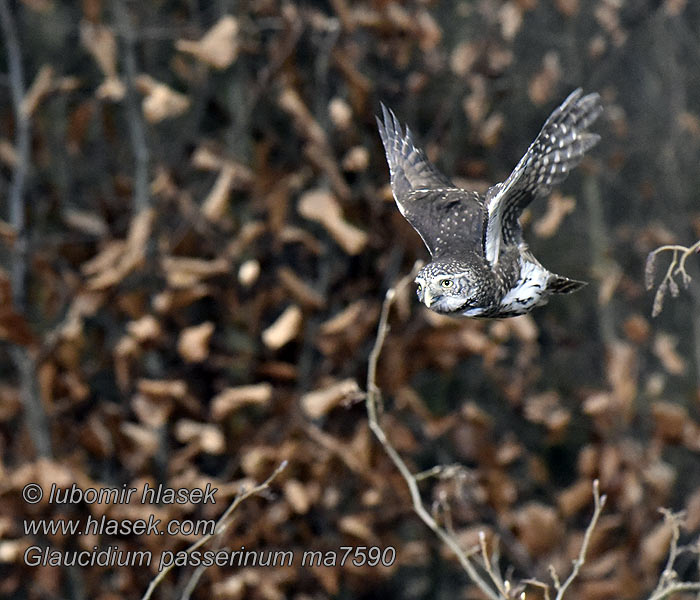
(157, 202)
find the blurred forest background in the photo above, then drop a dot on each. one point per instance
(196, 236)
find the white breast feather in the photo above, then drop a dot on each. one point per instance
(528, 291)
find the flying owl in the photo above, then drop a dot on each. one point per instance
(481, 266)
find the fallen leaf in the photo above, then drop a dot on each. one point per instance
(558, 207)
(161, 102)
(320, 205)
(665, 351)
(300, 290)
(40, 87)
(218, 47)
(233, 398)
(193, 342)
(207, 436)
(297, 496)
(319, 403)
(285, 328)
(249, 272)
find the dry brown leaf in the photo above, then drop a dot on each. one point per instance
(660, 477)
(13, 326)
(160, 388)
(170, 300)
(429, 32)
(356, 159)
(233, 398)
(255, 460)
(344, 319)
(161, 102)
(349, 329)
(105, 259)
(321, 206)
(622, 375)
(546, 409)
(674, 8)
(144, 441)
(193, 342)
(184, 272)
(575, 498)
(296, 494)
(207, 159)
(41, 86)
(538, 528)
(669, 420)
(463, 58)
(340, 113)
(544, 83)
(8, 156)
(112, 88)
(357, 526)
(119, 259)
(655, 545)
(636, 328)
(219, 46)
(100, 42)
(291, 102)
(568, 8)
(215, 204)
(11, 551)
(665, 351)
(319, 403)
(87, 222)
(300, 290)
(145, 329)
(284, 329)
(692, 511)
(510, 17)
(490, 130)
(207, 436)
(150, 410)
(249, 272)
(558, 207)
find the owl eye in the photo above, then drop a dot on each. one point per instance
(446, 283)
(420, 287)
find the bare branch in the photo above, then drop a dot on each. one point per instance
(599, 504)
(221, 525)
(668, 581)
(373, 402)
(675, 268)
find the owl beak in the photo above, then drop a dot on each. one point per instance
(427, 298)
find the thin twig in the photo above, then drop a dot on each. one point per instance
(373, 401)
(599, 504)
(137, 131)
(221, 526)
(675, 268)
(501, 586)
(667, 584)
(683, 586)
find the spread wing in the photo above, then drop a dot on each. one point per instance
(557, 149)
(449, 220)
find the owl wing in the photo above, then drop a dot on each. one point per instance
(448, 219)
(557, 149)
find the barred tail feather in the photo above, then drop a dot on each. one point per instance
(558, 284)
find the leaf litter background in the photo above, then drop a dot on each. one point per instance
(209, 236)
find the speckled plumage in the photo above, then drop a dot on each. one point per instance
(481, 267)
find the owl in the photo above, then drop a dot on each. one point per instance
(481, 266)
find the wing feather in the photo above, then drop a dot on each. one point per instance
(557, 149)
(448, 219)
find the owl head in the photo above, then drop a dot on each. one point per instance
(448, 286)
